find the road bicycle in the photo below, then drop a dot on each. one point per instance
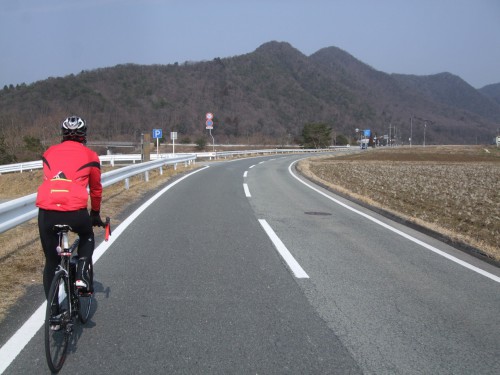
(65, 302)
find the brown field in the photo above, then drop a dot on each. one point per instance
(451, 190)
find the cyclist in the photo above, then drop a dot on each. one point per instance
(68, 169)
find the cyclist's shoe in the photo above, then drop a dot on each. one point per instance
(84, 289)
(83, 280)
(81, 285)
(56, 320)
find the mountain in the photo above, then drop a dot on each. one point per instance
(263, 97)
(452, 91)
(455, 109)
(492, 91)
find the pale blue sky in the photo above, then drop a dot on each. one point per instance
(54, 38)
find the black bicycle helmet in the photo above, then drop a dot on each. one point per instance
(74, 129)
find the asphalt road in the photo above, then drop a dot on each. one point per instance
(195, 285)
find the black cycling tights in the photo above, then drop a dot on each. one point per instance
(79, 221)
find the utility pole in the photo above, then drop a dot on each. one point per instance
(425, 124)
(425, 127)
(390, 139)
(411, 128)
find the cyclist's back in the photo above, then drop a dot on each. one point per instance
(69, 168)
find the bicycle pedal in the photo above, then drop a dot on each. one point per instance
(55, 320)
(85, 294)
(55, 327)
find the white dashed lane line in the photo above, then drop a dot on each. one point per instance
(297, 270)
(247, 192)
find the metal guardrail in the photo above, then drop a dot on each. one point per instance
(225, 154)
(20, 210)
(31, 165)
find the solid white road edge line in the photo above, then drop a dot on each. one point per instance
(10, 350)
(283, 251)
(397, 231)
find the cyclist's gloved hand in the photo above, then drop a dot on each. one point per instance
(96, 219)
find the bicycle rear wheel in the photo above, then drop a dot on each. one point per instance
(85, 301)
(57, 322)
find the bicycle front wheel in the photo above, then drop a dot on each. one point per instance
(57, 322)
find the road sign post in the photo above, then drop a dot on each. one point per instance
(157, 133)
(209, 124)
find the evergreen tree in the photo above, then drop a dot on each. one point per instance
(5, 157)
(316, 135)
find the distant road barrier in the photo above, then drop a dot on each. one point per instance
(20, 210)
(136, 158)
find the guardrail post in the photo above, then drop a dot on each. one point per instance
(161, 170)
(127, 183)
(146, 176)
(175, 166)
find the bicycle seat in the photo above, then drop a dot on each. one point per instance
(62, 228)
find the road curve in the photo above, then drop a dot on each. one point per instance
(242, 268)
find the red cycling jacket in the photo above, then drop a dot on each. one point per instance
(68, 168)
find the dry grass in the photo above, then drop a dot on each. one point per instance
(21, 257)
(454, 191)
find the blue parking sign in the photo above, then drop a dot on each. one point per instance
(157, 133)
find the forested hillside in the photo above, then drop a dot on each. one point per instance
(263, 97)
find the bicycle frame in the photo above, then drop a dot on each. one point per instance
(65, 252)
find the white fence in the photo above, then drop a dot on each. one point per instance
(20, 210)
(21, 167)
